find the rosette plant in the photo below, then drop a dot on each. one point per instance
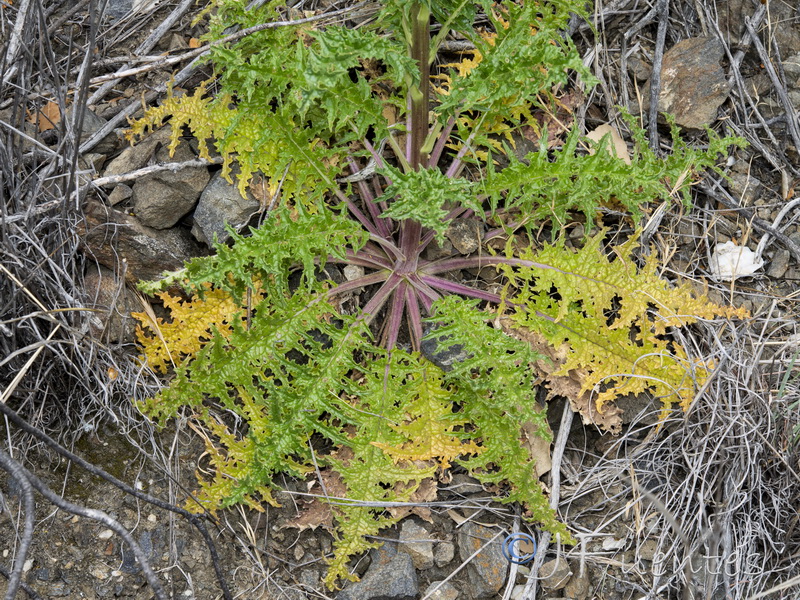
(374, 143)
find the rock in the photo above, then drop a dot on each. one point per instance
(117, 9)
(119, 194)
(465, 235)
(648, 549)
(139, 155)
(487, 570)
(434, 251)
(113, 237)
(161, 199)
(465, 485)
(414, 541)
(109, 295)
(782, 18)
(693, 84)
(443, 553)
(91, 124)
(433, 350)
(221, 204)
(745, 187)
(443, 591)
(391, 576)
(578, 587)
(779, 264)
(554, 574)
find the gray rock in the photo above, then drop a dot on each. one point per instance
(119, 194)
(116, 9)
(693, 84)
(161, 199)
(113, 237)
(779, 264)
(443, 591)
(391, 576)
(554, 574)
(414, 541)
(465, 235)
(487, 571)
(433, 349)
(434, 251)
(745, 187)
(137, 156)
(443, 553)
(113, 301)
(647, 549)
(90, 125)
(221, 204)
(578, 587)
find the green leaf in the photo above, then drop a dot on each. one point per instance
(424, 196)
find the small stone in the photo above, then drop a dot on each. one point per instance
(779, 264)
(162, 199)
(439, 590)
(299, 553)
(119, 194)
(107, 234)
(58, 589)
(464, 485)
(578, 232)
(100, 571)
(105, 534)
(487, 569)
(391, 576)
(693, 84)
(744, 187)
(415, 541)
(432, 349)
(578, 587)
(465, 235)
(555, 574)
(220, 205)
(443, 553)
(353, 272)
(647, 550)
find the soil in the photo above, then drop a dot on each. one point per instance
(701, 506)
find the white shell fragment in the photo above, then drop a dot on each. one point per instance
(730, 261)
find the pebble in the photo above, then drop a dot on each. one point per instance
(554, 574)
(443, 591)
(443, 553)
(487, 570)
(414, 541)
(779, 264)
(391, 576)
(578, 587)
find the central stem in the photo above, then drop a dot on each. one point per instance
(420, 50)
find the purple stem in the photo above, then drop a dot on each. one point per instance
(454, 168)
(395, 319)
(461, 289)
(387, 244)
(381, 296)
(414, 317)
(359, 283)
(369, 200)
(436, 153)
(425, 293)
(361, 217)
